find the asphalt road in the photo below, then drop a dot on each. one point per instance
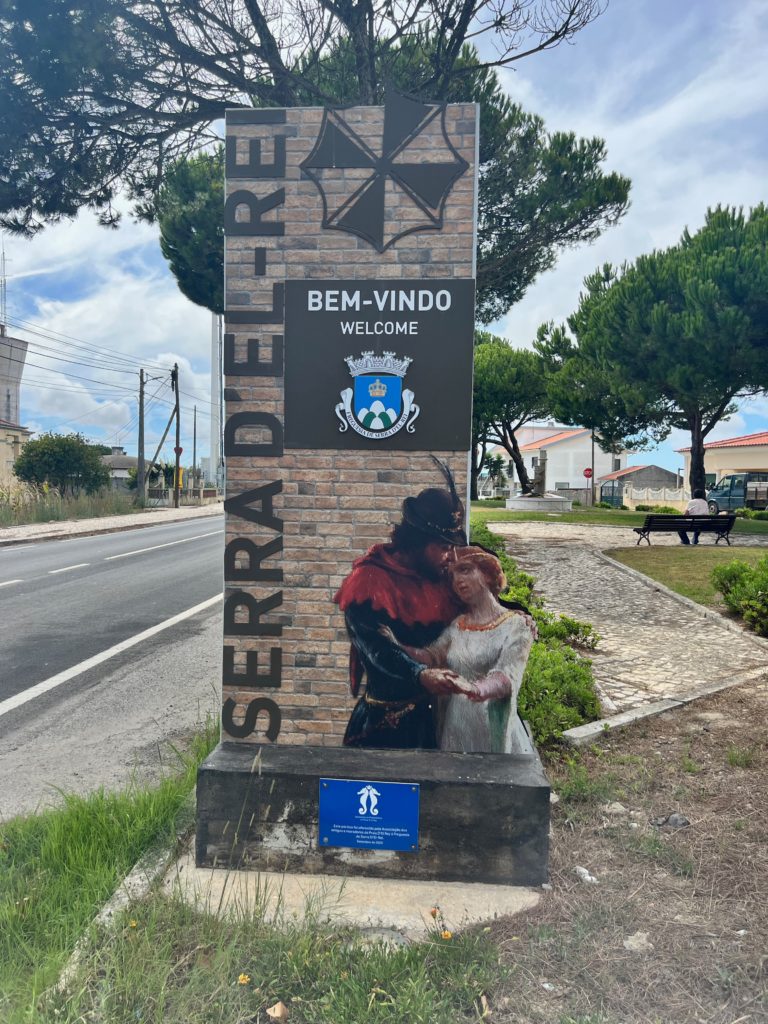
(63, 602)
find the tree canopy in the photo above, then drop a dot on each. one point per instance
(188, 208)
(671, 340)
(65, 462)
(98, 96)
(510, 390)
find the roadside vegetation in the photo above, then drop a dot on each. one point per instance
(58, 867)
(27, 503)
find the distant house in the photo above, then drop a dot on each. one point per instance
(612, 484)
(12, 439)
(568, 454)
(745, 454)
(118, 464)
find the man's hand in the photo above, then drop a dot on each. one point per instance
(439, 681)
(530, 623)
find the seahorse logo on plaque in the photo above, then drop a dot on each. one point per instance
(378, 405)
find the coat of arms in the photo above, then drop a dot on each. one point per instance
(378, 405)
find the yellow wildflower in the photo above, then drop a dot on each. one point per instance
(244, 979)
(446, 935)
(133, 923)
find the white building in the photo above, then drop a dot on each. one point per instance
(748, 453)
(569, 452)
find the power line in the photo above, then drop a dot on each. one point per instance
(102, 351)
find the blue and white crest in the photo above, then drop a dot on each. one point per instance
(379, 405)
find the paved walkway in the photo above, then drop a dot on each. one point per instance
(652, 646)
(61, 529)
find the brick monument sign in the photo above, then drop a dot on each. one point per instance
(349, 263)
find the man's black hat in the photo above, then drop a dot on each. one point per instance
(437, 512)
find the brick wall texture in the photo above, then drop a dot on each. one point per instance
(333, 504)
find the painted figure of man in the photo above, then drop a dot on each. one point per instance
(402, 586)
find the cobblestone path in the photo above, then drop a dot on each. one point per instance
(651, 646)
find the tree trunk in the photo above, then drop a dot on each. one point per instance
(697, 477)
(509, 442)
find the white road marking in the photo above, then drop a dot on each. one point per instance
(169, 544)
(9, 582)
(70, 673)
(68, 568)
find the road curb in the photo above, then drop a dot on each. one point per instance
(121, 528)
(707, 613)
(146, 873)
(583, 734)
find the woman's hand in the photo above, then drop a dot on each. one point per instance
(440, 681)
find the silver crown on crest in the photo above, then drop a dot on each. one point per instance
(369, 363)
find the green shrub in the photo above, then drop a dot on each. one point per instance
(745, 513)
(761, 514)
(565, 629)
(603, 504)
(658, 509)
(576, 503)
(558, 691)
(745, 591)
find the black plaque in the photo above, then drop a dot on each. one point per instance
(379, 365)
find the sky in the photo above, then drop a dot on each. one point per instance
(679, 92)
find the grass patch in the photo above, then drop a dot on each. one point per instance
(741, 757)
(686, 570)
(592, 517)
(58, 867)
(21, 504)
(168, 963)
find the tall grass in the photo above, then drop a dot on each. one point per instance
(58, 867)
(167, 962)
(23, 503)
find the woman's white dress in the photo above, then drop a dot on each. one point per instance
(493, 725)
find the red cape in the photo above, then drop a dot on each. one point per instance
(383, 577)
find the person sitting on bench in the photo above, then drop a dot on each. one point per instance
(697, 506)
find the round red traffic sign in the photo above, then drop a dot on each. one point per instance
(178, 450)
(587, 472)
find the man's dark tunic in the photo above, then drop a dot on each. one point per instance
(384, 589)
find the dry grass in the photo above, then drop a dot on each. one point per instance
(700, 893)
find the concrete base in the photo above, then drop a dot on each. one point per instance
(483, 817)
(540, 503)
(379, 906)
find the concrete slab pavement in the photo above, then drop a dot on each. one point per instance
(380, 905)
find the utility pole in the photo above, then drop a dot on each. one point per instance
(178, 448)
(140, 471)
(194, 447)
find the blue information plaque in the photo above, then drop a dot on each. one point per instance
(369, 815)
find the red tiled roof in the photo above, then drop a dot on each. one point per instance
(13, 426)
(623, 472)
(545, 442)
(746, 441)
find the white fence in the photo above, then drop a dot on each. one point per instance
(677, 497)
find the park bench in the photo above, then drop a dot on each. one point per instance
(721, 525)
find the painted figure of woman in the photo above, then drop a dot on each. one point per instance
(487, 646)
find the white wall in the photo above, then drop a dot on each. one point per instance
(567, 460)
